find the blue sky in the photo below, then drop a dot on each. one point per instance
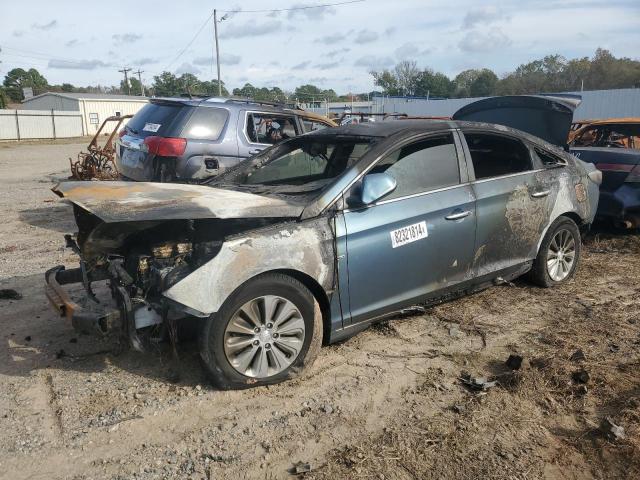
(334, 47)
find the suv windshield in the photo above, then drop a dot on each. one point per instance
(306, 163)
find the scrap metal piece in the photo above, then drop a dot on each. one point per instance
(98, 162)
(478, 384)
(611, 430)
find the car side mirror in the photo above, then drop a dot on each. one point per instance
(375, 186)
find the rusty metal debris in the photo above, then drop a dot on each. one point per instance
(98, 162)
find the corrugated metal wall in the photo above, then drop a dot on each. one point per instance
(595, 104)
(34, 124)
(105, 109)
(51, 102)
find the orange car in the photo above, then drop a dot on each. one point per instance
(612, 132)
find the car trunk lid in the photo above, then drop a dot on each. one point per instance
(138, 201)
(546, 117)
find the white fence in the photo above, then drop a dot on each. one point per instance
(33, 124)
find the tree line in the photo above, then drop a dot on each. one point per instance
(553, 73)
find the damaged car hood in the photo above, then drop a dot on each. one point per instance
(546, 117)
(136, 201)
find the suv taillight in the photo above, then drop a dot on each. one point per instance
(634, 175)
(165, 147)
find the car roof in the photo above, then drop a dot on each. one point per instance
(228, 103)
(387, 128)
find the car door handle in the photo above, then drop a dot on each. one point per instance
(458, 215)
(541, 194)
(255, 152)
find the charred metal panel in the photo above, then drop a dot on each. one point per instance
(306, 247)
(132, 201)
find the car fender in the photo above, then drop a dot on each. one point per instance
(306, 247)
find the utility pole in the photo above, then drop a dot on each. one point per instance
(215, 31)
(126, 70)
(140, 80)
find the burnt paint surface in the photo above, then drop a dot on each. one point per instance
(133, 201)
(306, 247)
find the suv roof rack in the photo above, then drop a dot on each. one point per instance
(258, 102)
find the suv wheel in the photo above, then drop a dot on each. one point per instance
(559, 254)
(267, 331)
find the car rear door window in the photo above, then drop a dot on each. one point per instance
(269, 129)
(497, 155)
(205, 123)
(422, 166)
(547, 159)
(157, 119)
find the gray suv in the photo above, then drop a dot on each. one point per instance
(175, 139)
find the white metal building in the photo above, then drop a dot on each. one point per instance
(93, 107)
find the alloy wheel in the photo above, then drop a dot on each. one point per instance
(264, 336)
(561, 255)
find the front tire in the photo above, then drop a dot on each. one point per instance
(559, 254)
(269, 330)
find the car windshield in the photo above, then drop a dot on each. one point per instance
(303, 164)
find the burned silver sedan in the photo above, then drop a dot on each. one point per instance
(315, 238)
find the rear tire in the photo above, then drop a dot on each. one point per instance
(269, 330)
(559, 254)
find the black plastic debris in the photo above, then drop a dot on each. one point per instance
(27, 338)
(611, 430)
(61, 353)
(9, 294)
(514, 362)
(300, 468)
(581, 376)
(478, 384)
(577, 356)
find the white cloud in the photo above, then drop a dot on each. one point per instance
(477, 42)
(250, 29)
(374, 62)
(482, 16)
(366, 36)
(225, 59)
(187, 68)
(126, 38)
(45, 26)
(77, 65)
(315, 13)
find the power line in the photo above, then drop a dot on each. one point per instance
(306, 7)
(189, 44)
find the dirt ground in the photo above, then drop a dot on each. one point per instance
(386, 404)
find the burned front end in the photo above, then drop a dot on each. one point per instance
(136, 263)
(137, 241)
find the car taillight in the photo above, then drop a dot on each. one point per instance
(165, 147)
(634, 175)
(122, 133)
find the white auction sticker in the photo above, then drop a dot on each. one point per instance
(408, 234)
(151, 127)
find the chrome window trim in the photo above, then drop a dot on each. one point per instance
(244, 128)
(414, 195)
(527, 172)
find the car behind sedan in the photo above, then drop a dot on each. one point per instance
(315, 238)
